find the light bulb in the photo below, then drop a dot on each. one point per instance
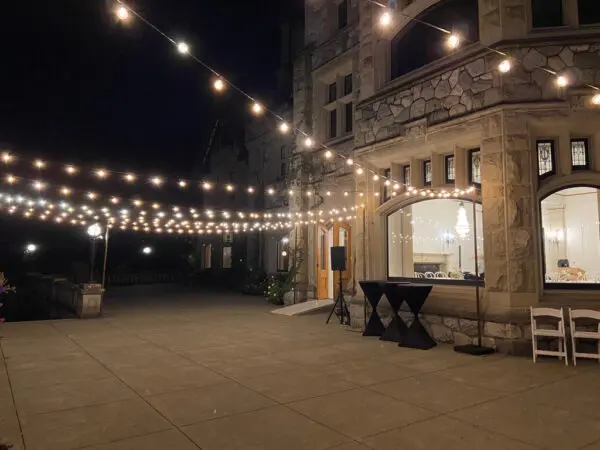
(6, 157)
(385, 19)
(229, 188)
(11, 179)
(328, 154)
(350, 161)
(562, 81)
(453, 41)
(257, 108)
(359, 171)
(183, 48)
(206, 186)
(130, 177)
(596, 99)
(219, 85)
(308, 142)
(284, 127)
(70, 170)
(250, 190)
(375, 177)
(156, 181)
(182, 183)
(505, 66)
(271, 191)
(39, 164)
(101, 173)
(122, 13)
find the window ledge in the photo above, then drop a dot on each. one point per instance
(340, 139)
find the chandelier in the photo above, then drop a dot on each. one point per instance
(462, 222)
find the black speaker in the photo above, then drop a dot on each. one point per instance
(338, 258)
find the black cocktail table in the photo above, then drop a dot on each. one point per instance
(414, 335)
(373, 290)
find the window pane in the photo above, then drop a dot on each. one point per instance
(343, 14)
(545, 154)
(348, 117)
(427, 172)
(475, 167)
(348, 84)
(332, 93)
(547, 13)
(579, 153)
(435, 236)
(406, 173)
(589, 12)
(333, 123)
(387, 188)
(450, 171)
(226, 257)
(570, 222)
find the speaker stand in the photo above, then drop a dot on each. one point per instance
(344, 314)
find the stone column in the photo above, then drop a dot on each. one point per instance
(511, 267)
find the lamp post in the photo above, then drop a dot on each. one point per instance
(94, 232)
(30, 249)
(147, 250)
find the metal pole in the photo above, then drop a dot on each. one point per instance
(478, 312)
(295, 265)
(106, 236)
(364, 249)
(92, 259)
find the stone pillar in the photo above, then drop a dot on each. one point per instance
(89, 301)
(508, 209)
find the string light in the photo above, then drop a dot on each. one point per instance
(375, 177)
(39, 164)
(101, 173)
(359, 171)
(562, 81)
(596, 99)
(284, 127)
(257, 108)
(250, 190)
(271, 191)
(453, 41)
(129, 177)
(206, 186)
(350, 162)
(229, 188)
(385, 19)
(38, 185)
(11, 179)
(7, 158)
(71, 170)
(308, 142)
(122, 13)
(182, 183)
(219, 85)
(156, 181)
(92, 195)
(65, 191)
(328, 154)
(505, 66)
(183, 48)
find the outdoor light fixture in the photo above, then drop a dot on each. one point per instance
(359, 171)
(147, 250)
(505, 66)
(462, 222)
(285, 240)
(129, 177)
(183, 48)
(206, 186)
(101, 173)
(6, 157)
(182, 183)
(70, 170)
(94, 231)
(39, 164)
(284, 127)
(271, 191)
(375, 177)
(31, 248)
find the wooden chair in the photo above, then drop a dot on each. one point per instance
(575, 314)
(558, 334)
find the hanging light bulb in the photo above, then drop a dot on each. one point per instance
(284, 127)
(596, 99)
(219, 85)
(10, 179)
(359, 171)
(7, 157)
(39, 164)
(453, 41)
(271, 191)
(156, 181)
(183, 48)
(385, 19)
(462, 222)
(350, 162)
(250, 190)
(70, 170)
(562, 81)
(101, 173)
(122, 13)
(257, 108)
(308, 142)
(375, 177)
(129, 177)
(505, 66)
(328, 154)
(206, 186)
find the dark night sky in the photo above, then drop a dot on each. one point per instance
(75, 84)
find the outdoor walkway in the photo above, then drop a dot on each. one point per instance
(182, 371)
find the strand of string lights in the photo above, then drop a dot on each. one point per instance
(454, 40)
(124, 13)
(177, 220)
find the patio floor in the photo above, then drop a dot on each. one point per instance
(182, 370)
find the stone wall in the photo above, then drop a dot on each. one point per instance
(473, 86)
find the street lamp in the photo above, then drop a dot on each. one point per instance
(147, 250)
(30, 249)
(95, 233)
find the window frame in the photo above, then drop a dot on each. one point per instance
(586, 145)
(342, 7)
(387, 189)
(345, 89)
(331, 93)
(406, 175)
(447, 159)
(552, 143)
(348, 118)
(226, 247)
(332, 124)
(470, 154)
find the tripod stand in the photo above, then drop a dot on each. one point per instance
(344, 313)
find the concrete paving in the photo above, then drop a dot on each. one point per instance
(183, 370)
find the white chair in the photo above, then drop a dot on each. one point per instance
(558, 334)
(441, 275)
(429, 275)
(575, 314)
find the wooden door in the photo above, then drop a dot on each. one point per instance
(322, 263)
(342, 238)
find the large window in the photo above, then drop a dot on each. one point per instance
(227, 257)
(589, 12)
(419, 44)
(545, 157)
(546, 13)
(580, 156)
(434, 239)
(427, 173)
(449, 169)
(571, 236)
(475, 167)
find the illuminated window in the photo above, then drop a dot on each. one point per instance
(387, 188)
(427, 175)
(450, 169)
(545, 157)
(580, 154)
(475, 166)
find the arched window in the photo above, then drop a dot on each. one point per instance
(571, 237)
(435, 238)
(418, 44)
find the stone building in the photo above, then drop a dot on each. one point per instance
(524, 134)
